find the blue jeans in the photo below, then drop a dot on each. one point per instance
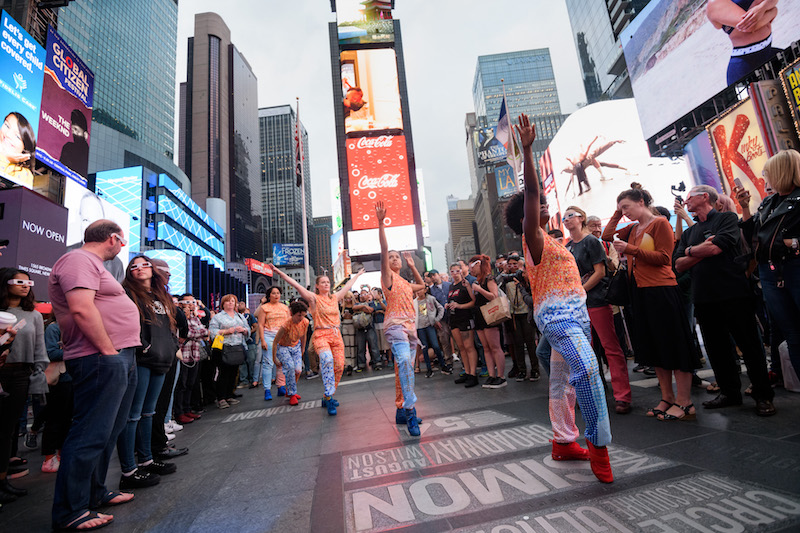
(139, 429)
(429, 339)
(103, 388)
(247, 369)
(366, 338)
(266, 364)
(543, 354)
(784, 304)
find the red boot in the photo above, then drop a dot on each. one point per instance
(600, 463)
(293, 399)
(570, 451)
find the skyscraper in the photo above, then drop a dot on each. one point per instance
(130, 48)
(219, 144)
(320, 244)
(596, 25)
(281, 197)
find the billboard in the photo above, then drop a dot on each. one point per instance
(596, 154)
(178, 263)
(740, 150)
(123, 187)
(21, 75)
(370, 90)
(360, 22)
(506, 181)
(702, 163)
(65, 120)
(288, 254)
(489, 149)
(86, 207)
(680, 53)
(790, 80)
(35, 228)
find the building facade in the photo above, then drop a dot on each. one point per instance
(134, 89)
(219, 136)
(281, 197)
(596, 27)
(320, 244)
(460, 220)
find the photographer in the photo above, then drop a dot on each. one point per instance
(515, 286)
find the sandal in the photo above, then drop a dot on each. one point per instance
(112, 498)
(713, 388)
(89, 516)
(655, 411)
(685, 416)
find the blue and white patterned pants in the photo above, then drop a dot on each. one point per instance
(291, 359)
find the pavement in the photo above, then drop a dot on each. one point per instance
(482, 464)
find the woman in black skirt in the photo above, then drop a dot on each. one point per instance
(660, 334)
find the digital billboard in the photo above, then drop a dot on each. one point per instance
(740, 150)
(123, 187)
(790, 80)
(288, 254)
(21, 74)
(364, 22)
(66, 115)
(370, 90)
(597, 153)
(86, 207)
(680, 53)
(700, 159)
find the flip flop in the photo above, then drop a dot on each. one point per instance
(111, 498)
(91, 515)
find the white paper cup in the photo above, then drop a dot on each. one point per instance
(7, 320)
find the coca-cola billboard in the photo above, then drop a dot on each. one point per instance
(378, 170)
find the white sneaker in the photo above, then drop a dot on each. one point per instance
(51, 465)
(170, 436)
(172, 427)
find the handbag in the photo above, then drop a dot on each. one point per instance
(233, 354)
(54, 371)
(496, 311)
(217, 344)
(618, 292)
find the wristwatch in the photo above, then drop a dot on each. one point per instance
(688, 251)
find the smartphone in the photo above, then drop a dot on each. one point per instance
(738, 182)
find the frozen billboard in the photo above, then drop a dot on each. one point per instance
(66, 115)
(21, 74)
(680, 53)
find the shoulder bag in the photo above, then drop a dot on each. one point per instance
(618, 292)
(496, 311)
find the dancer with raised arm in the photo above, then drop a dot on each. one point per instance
(559, 308)
(399, 324)
(327, 339)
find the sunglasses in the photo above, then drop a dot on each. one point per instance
(122, 241)
(571, 215)
(24, 282)
(137, 266)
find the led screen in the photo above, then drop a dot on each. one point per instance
(370, 91)
(679, 52)
(360, 22)
(66, 116)
(288, 254)
(21, 75)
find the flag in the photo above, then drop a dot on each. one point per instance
(298, 148)
(505, 134)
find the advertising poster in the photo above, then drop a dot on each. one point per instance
(21, 75)
(701, 162)
(489, 149)
(370, 90)
(360, 22)
(740, 151)
(288, 254)
(680, 53)
(506, 181)
(86, 207)
(790, 80)
(597, 153)
(36, 229)
(66, 116)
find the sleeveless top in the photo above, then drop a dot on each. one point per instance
(293, 332)
(326, 312)
(480, 299)
(275, 315)
(399, 302)
(555, 282)
(459, 294)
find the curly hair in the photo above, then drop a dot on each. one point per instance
(515, 211)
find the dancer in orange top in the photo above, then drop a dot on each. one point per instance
(327, 338)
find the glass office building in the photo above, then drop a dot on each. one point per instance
(281, 197)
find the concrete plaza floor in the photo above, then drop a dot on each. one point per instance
(481, 465)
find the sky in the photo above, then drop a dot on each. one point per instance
(287, 45)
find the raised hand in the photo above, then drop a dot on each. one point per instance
(380, 211)
(360, 271)
(408, 257)
(526, 130)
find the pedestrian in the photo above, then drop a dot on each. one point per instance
(559, 308)
(461, 304)
(145, 285)
(378, 304)
(57, 417)
(99, 339)
(439, 289)
(235, 330)
(661, 334)
(247, 377)
(288, 348)
(485, 290)
(399, 324)
(327, 338)
(429, 313)
(192, 352)
(270, 318)
(522, 332)
(366, 336)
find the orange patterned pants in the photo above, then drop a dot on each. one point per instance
(328, 344)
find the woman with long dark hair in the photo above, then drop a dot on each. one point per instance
(486, 290)
(17, 149)
(461, 303)
(271, 317)
(146, 286)
(660, 333)
(27, 354)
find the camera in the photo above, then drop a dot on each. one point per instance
(681, 187)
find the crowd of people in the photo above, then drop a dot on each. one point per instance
(577, 306)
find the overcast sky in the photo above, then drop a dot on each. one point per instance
(286, 43)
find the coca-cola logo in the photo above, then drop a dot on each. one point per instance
(387, 181)
(384, 141)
